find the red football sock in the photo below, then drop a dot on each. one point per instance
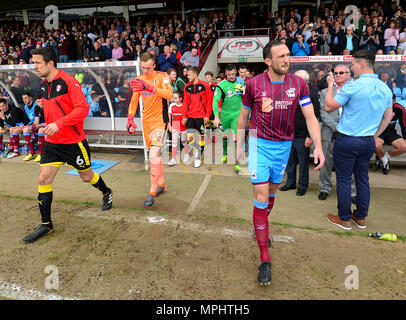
(270, 203)
(174, 150)
(261, 226)
(30, 145)
(41, 140)
(16, 143)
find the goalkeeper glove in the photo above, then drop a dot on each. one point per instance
(140, 85)
(239, 89)
(131, 126)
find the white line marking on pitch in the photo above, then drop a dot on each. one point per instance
(16, 292)
(199, 194)
(90, 212)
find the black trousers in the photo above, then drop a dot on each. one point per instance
(298, 154)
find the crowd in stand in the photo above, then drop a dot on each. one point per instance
(179, 44)
(378, 27)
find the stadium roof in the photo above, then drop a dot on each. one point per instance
(19, 5)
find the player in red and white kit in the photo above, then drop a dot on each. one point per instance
(65, 109)
(178, 129)
(197, 108)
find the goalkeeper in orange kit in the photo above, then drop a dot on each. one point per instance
(155, 89)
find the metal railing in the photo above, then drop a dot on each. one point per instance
(243, 32)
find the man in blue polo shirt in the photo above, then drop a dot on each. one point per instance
(367, 110)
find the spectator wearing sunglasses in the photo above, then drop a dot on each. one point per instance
(329, 121)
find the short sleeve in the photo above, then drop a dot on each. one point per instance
(247, 100)
(344, 95)
(304, 98)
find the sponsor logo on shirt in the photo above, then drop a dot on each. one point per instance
(283, 105)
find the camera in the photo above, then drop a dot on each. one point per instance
(322, 84)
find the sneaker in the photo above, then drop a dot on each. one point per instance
(160, 190)
(29, 157)
(197, 163)
(264, 274)
(172, 162)
(186, 158)
(224, 159)
(360, 223)
(385, 168)
(6, 154)
(13, 155)
(107, 200)
(377, 163)
(335, 219)
(42, 230)
(150, 200)
(237, 168)
(37, 158)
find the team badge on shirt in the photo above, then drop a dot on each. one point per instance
(58, 88)
(291, 92)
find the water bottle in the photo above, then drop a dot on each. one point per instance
(384, 236)
(25, 149)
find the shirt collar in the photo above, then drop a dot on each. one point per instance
(369, 75)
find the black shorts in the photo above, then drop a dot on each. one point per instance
(196, 124)
(388, 136)
(76, 155)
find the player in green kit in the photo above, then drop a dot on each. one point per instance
(228, 91)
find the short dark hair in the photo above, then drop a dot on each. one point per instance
(209, 73)
(179, 93)
(38, 96)
(27, 93)
(2, 100)
(48, 54)
(194, 70)
(242, 66)
(230, 66)
(367, 55)
(267, 52)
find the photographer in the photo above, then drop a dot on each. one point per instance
(63, 48)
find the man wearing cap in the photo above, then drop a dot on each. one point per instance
(25, 53)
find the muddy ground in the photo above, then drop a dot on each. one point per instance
(208, 254)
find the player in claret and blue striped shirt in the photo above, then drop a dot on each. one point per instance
(273, 98)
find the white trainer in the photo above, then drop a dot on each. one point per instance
(197, 163)
(172, 162)
(186, 158)
(12, 155)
